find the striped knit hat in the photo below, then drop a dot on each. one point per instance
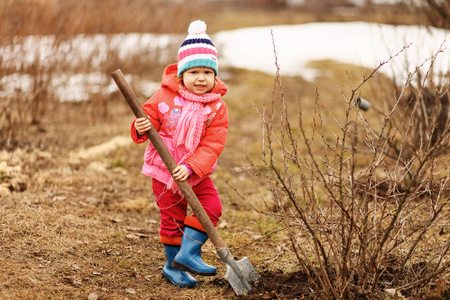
(197, 49)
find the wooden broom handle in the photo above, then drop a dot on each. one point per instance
(168, 160)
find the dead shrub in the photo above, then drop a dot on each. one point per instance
(52, 54)
(372, 198)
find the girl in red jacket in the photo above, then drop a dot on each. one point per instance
(192, 120)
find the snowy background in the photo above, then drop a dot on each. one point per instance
(359, 43)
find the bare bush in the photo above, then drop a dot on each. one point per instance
(365, 204)
(25, 73)
(51, 55)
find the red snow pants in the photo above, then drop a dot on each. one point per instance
(173, 209)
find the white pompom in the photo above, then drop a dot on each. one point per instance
(197, 27)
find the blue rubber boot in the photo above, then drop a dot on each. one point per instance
(177, 277)
(189, 258)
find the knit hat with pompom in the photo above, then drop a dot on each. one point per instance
(197, 49)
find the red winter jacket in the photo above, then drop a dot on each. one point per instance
(164, 109)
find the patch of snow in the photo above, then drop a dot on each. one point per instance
(358, 43)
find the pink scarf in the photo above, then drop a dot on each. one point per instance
(191, 122)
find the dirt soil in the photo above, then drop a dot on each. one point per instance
(294, 285)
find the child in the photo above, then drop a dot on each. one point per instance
(192, 120)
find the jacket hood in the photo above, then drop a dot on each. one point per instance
(170, 80)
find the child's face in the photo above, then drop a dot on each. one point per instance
(199, 80)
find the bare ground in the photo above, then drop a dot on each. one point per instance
(78, 220)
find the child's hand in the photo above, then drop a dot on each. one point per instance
(181, 173)
(142, 125)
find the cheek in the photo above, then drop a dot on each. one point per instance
(188, 81)
(212, 82)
